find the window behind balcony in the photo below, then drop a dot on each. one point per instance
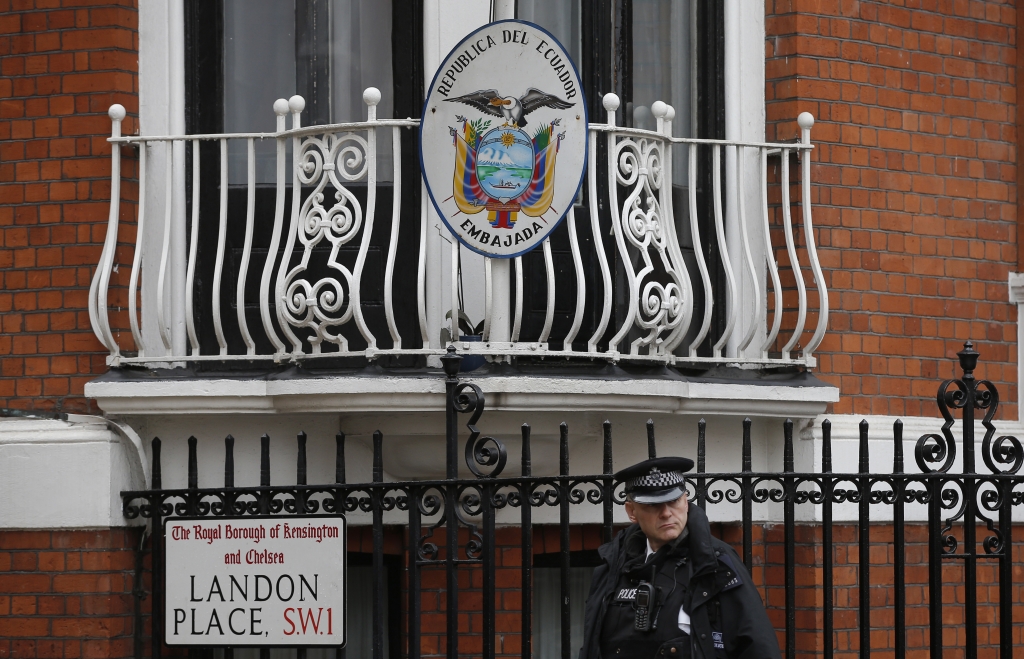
(242, 55)
(328, 51)
(643, 51)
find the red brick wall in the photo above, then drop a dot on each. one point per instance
(62, 64)
(67, 594)
(915, 186)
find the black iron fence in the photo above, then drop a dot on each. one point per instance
(969, 520)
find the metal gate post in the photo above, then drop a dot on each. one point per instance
(451, 362)
(157, 554)
(968, 361)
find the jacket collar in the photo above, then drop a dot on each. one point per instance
(702, 553)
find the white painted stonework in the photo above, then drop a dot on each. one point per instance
(391, 394)
(1016, 291)
(65, 474)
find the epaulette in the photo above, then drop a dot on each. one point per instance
(736, 580)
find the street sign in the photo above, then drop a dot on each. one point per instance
(255, 581)
(503, 138)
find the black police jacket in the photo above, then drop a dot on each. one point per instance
(719, 581)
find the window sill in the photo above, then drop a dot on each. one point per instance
(729, 392)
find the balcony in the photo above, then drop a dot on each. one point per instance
(679, 252)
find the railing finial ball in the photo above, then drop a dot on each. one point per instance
(371, 96)
(670, 114)
(805, 120)
(296, 103)
(116, 112)
(281, 107)
(610, 102)
(659, 109)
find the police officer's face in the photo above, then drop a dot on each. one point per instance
(660, 522)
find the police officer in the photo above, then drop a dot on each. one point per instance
(667, 588)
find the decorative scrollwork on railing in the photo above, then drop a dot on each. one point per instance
(990, 496)
(658, 283)
(587, 490)
(1016, 496)
(761, 494)
(813, 492)
(1006, 451)
(952, 497)
(330, 301)
(845, 490)
(718, 490)
(888, 496)
(429, 502)
(480, 451)
(302, 504)
(619, 493)
(969, 497)
(549, 496)
(504, 496)
(933, 452)
(914, 492)
(470, 501)
(470, 504)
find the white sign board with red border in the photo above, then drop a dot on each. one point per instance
(255, 581)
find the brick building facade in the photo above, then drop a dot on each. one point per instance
(915, 204)
(63, 65)
(916, 121)
(915, 111)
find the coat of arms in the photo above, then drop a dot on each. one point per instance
(515, 154)
(504, 169)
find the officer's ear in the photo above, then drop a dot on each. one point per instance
(630, 512)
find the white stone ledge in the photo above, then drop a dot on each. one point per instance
(395, 394)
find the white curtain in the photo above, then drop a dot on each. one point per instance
(547, 612)
(662, 69)
(559, 17)
(259, 67)
(361, 58)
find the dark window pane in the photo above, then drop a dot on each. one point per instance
(328, 51)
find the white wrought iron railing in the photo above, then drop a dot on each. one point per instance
(648, 301)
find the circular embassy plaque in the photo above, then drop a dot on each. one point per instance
(503, 138)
